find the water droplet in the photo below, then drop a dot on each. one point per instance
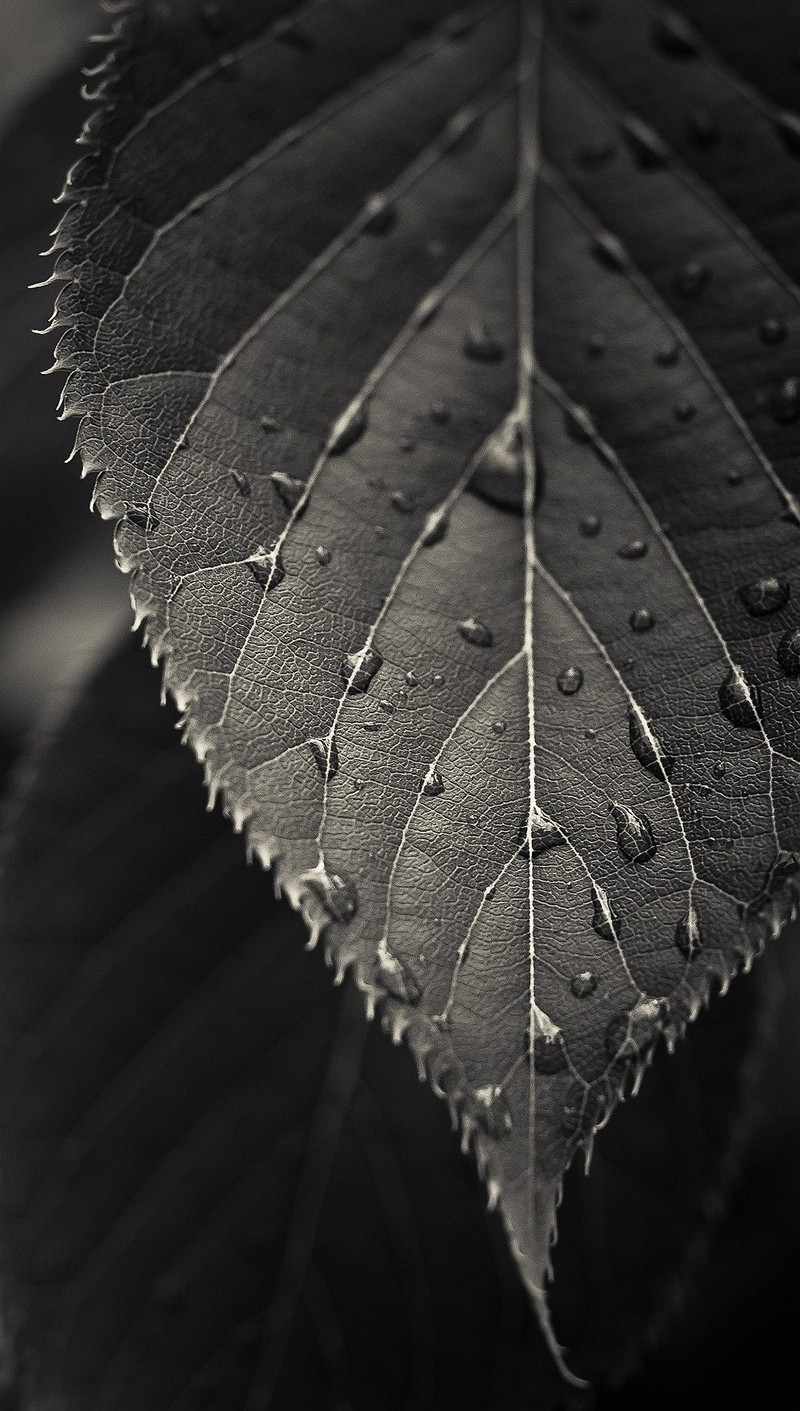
(411, 680)
(788, 652)
(595, 345)
(475, 632)
(772, 330)
(609, 251)
(765, 596)
(403, 502)
(596, 154)
(634, 549)
(436, 527)
(583, 985)
(358, 786)
(691, 279)
(428, 307)
(605, 921)
(570, 680)
(718, 769)
(288, 488)
(397, 979)
(740, 705)
(684, 411)
(472, 820)
(674, 36)
(668, 354)
(549, 1054)
(590, 734)
(372, 726)
(687, 934)
(432, 783)
(440, 413)
(632, 1033)
(143, 520)
(644, 746)
(269, 425)
(437, 679)
(641, 620)
(380, 216)
(702, 127)
(348, 429)
(734, 477)
(325, 755)
(787, 126)
(381, 531)
(337, 892)
(359, 668)
(648, 150)
(499, 727)
(579, 425)
(634, 833)
(386, 706)
(539, 834)
(590, 525)
(784, 403)
(481, 345)
(323, 555)
(499, 474)
(241, 482)
(267, 568)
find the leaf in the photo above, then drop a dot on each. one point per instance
(526, 755)
(218, 1177)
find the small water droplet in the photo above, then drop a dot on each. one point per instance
(649, 151)
(687, 934)
(788, 652)
(372, 726)
(674, 36)
(605, 922)
(499, 727)
(635, 838)
(644, 746)
(403, 502)
(499, 473)
(702, 127)
(765, 596)
(590, 525)
(691, 279)
(437, 679)
(337, 892)
(358, 786)
(411, 680)
(386, 706)
(380, 216)
(583, 985)
(595, 345)
(549, 1054)
(684, 411)
(440, 413)
(772, 330)
(787, 126)
(381, 531)
(323, 555)
(718, 769)
(475, 632)
(609, 251)
(326, 756)
(570, 680)
(634, 549)
(784, 403)
(241, 482)
(594, 155)
(539, 834)
(269, 425)
(590, 734)
(740, 705)
(348, 429)
(668, 354)
(407, 444)
(432, 783)
(288, 489)
(641, 620)
(396, 977)
(472, 820)
(579, 425)
(359, 668)
(481, 345)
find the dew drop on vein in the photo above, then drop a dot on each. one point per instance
(635, 838)
(538, 835)
(740, 704)
(432, 783)
(326, 756)
(359, 668)
(499, 475)
(288, 488)
(609, 251)
(644, 747)
(605, 922)
(688, 938)
(549, 1054)
(398, 979)
(267, 568)
(674, 36)
(380, 216)
(649, 151)
(348, 429)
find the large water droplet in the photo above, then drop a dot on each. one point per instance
(583, 985)
(499, 474)
(570, 680)
(788, 652)
(641, 620)
(740, 705)
(674, 36)
(605, 921)
(432, 783)
(396, 977)
(784, 403)
(476, 632)
(337, 892)
(326, 755)
(765, 596)
(348, 429)
(772, 330)
(380, 216)
(787, 126)
(549, 1054)
(609, 251)
(648, 150)
(634, 833)
(481, 345)
(359, 668)
(691, 279)
(634, 549)
(538, 834)
(288, 488)
(687, 934)
(644, 746)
